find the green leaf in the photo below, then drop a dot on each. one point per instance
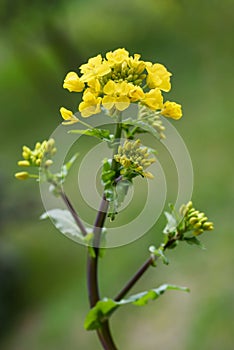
(171, 223)
(194, 241)
(99, 313)
(141, 299)
(105, 307)
(159, 253)
(64, 222)
(101, 134)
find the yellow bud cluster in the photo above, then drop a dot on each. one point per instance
(195, 220)
(115, 81)
(37, 157)
(134, 159)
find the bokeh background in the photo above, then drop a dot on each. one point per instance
(42, 274)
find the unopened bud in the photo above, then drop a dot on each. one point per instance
(48, 162)
(23, 175)
(23, 163)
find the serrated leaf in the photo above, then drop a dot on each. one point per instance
(101, 134)
(105, 307)
(171, 223)
(64, 222)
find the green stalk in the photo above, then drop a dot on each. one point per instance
(103, 332)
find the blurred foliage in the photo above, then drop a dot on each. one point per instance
(42, 284)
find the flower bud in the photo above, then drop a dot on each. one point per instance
(48, 162)
(23, 175)
(23, 163)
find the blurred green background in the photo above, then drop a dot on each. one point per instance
(42, 274)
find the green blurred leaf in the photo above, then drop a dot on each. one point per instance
(65, 223)
(171, 223)
(159, 253)
(99, 313)
(194, 241)
(105, 307)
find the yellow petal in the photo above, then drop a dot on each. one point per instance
(68, 116)
(73, 83)
(110, 88)
(108, 102)
(122, 103)
(172, 110)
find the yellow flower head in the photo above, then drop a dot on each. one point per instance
(158, 77)
(118, 56)
(172, 110)
(73, 83)
(117, 80)
(95, 68)
(153, 99)
(90, 105)
(116, 95)
(68, 116)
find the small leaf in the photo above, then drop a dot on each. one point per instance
(101, 134)
(143, 298)
(64, 222)
(105, 307)
(194, 241)
(159, 253)
(171, 223)
(99, 313)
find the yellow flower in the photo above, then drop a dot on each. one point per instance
(68, 116)
(137, 65)
(172, 110)
(136, 93)
(153, 99)
(158, 77)
(116, 95)
(73, 83)
(95, 68)
(90, 104)
(118, 56)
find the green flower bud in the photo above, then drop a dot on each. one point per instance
(193, 221)
(208, 226)
(198, 232)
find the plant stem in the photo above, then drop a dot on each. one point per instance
(135, 278)
(73, 213)
(103, 332)
(144, 267)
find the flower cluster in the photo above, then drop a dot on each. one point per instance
(134, 159)
(195, 221)
(116, 81)
(38, 157)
